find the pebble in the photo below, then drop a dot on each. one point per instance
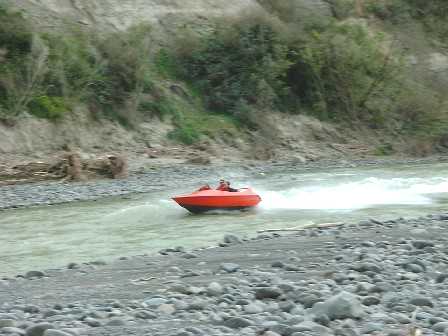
(230, 267)
(12, 330)
(38, 329)
(54, 332)
(92, 322)
(232, 239)
(154, 302)
(214, 289)
(267, 293)
(7, 323)
(341, 306)
(237, 322)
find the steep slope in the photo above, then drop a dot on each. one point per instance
(303, 137)
(120, 15)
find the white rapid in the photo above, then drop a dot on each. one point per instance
(364, 193)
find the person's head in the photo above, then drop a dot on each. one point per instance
(222, 181)
(228, 183)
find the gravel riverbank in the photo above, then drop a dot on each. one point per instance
(165, 177)
(369, 278)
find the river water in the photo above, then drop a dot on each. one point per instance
(45, 237)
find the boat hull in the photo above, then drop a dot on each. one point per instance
(207, 200)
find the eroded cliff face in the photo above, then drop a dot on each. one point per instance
(121, 14)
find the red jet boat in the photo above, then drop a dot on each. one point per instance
(206, 200)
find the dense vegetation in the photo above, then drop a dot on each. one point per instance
(231, 76)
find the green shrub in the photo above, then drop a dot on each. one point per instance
(342, 9)
(15, 34)
(161, 108)
(74, 65)
(339, 70)
(239, 64)
(421, 112)
(384, 150)
(185, 132)
(165, 64)
(48, 107)
(192, 122)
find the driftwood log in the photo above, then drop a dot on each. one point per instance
(69, 167)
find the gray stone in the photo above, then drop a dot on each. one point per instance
(54, 332)
(194, 330)
(277, 264)
(309, 326)
(12, 330)
(364, 287)
(414, 268)
(91, 322)
(367, 267)
(98, 263)
(421, 244)
(403, 319)
(237, 322)
(371, 327)
(7, 323)
(254, 308)
(322, 319)
(73, 265)
(435, 319)
(189, 255)
(282, 329)
(441, 277)
(440, 327)
(370, 301)
(50, 313)
(34, 274)
(32, 309)
(154, 302)
(214, 289)
(232, 239)
(230, 267)
(421, 301)
(183, 333)
(145, 315)
(340, 306)
(195, 290)
(197, 304)
(38, 329)
(267, 293)
(166, 309)
(115, 322)
(270, 333)
(292, 268)
(72, 331)
(308, 300)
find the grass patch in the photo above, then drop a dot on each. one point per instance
(46, 107)
(192, 122)
(384, 150)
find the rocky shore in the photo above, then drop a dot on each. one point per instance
(163, 177)
(370, 278)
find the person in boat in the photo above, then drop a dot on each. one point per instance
(204, 187)
(222, 186)
(229, 188)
